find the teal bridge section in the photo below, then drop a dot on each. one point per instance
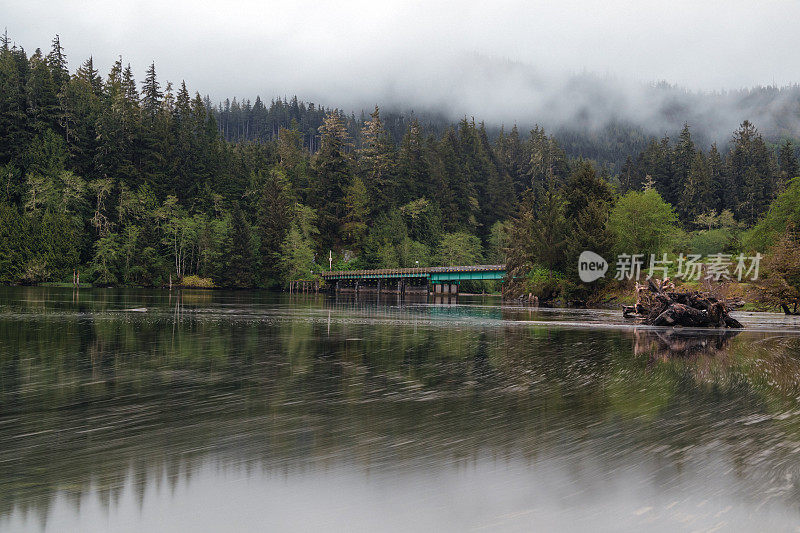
(432, 275)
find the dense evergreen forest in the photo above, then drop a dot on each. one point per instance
(140, 183)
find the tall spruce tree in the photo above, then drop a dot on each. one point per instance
(413, 172)
(14, 131)
(57, 61)
(697, 196)
(683, 157)
(42, 96)
(750, 166)
(588, 201)
(332, 167)
(274, 214)
(238, 270)
(787, 161)
(376, 160)
(151, 93)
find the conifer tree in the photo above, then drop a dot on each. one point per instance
(274, 214)
(547, 161)
(81, 100)
(499, 194)
(238, 254)
(697, 196)
(751, 171)
(183, 104)
(414, 173)
(91, 76)
(376, 160)
(630, 178)
(683, 157)
(511, 154)
(724, 193)
(332, 169)
(787, 161)
(354, 226)
(151, 93)
(42, 99)
(57, 61)
(588, 200)
(14, 131)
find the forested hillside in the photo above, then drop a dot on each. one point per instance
(142, 182)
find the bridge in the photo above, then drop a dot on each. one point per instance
(438, 280)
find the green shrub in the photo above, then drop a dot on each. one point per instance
(713, 241)
(543, 283)
(196, 282)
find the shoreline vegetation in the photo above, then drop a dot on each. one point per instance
(142, 184)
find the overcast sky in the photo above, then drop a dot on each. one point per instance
(422, 53)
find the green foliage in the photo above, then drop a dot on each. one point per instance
(423, 221)
(105, 256)
(642, 223)
(357, 213)
(142, 183)
(713, 241)
(499, 241)
(274, 213)
(196, 282)
(779, 282)
(783, 213)
(752, 171)
(14, 243)
(332, 167)
(459, 249)
(239, 268)
(387, 233)
(377, 162)
(543, 283)
(297, 255)
(588, 202)
(297, 258)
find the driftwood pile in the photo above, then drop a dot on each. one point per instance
(659, 305)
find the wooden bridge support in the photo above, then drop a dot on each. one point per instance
(445, 288)
(304, 286)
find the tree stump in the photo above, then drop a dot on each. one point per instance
(687, 309)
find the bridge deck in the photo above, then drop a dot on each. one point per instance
(434, 274)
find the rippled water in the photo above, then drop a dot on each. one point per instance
(213, 411)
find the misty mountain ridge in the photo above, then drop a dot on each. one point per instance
(595, 116)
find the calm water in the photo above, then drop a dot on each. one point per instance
(213, 411)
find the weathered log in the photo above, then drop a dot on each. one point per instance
(688, 309)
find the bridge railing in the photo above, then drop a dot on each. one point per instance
(417, 272)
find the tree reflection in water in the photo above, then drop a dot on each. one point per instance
(98, 400)
(662, 344)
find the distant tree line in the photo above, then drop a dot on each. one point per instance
(140, 183)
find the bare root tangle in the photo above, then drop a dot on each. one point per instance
(659, 305)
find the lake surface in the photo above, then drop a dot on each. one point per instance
(136, 410)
